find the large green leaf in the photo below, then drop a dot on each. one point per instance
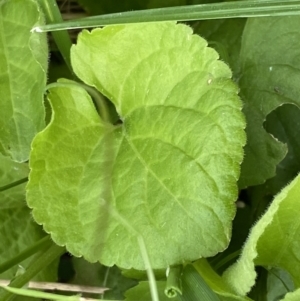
(168, 173)
(270, 77)
(23, 64)
(273, 242)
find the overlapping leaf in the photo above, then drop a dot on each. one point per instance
(270, 77)
(168, 173)
(23, 64)
(273, 242)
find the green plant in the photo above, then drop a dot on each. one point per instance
(140, 158)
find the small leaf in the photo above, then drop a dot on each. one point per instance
(273, 242)
(142, 292)
(168, 173)
(23, 64)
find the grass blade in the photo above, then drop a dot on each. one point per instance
(236, 9)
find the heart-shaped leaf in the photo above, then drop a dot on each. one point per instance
(168, 173)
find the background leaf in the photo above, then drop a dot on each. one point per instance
(225, 37)
(281, 222)
(17, 229)
(279, 283)
(23, 65)
(270, 78)
(95, 274)
(119, 178)
(98, 7)
(284, 124)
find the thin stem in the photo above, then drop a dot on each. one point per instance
(105, 281)
(150, 274)
(62, 39)
(14, 184)
(41, 244)
(39, 264)
(224, 10)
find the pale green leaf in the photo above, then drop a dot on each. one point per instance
(273, 242)
(23, 62)
(270, 77)
(168, 173)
